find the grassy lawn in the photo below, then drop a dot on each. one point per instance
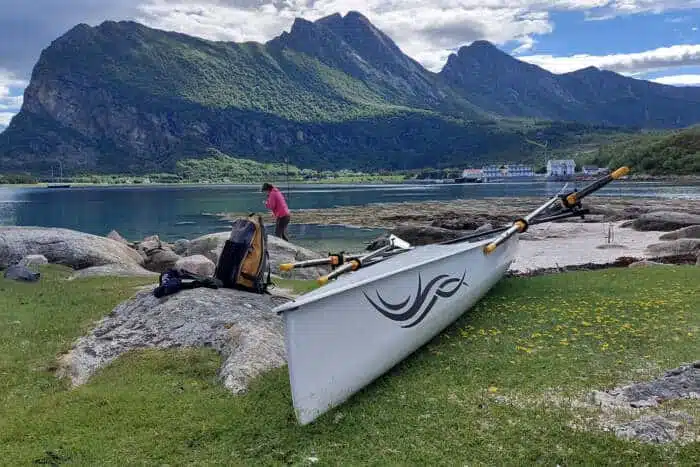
(481, 393)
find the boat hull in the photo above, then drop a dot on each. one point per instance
(341, 339)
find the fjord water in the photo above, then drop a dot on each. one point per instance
(185, 211)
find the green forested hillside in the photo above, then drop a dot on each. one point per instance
(332, 94)
(657, 153)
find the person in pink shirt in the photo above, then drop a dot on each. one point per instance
(276, 203)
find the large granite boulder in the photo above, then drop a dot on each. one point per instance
(239, 325)
(114, 270)
(692, 231)
(114, 235)
(197, 264)
(664, 221)
(63, 246)
(33, 260)
(456, 223)
(180, 246)
(158, 255)
(209, 245)
(161, 260)
(682, 246)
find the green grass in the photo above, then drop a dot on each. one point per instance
(474, 395)
(299, 286)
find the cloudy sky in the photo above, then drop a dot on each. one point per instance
(649, 39)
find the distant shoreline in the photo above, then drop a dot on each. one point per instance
(674, 179)
(497, 210)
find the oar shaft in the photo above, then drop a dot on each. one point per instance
(518, 226)
(308, 263)
(353, 264)
(577, 196)
(542, 220)
(349, 266)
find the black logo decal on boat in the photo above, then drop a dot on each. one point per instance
(443, 290)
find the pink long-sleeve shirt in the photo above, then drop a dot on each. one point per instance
(276, 203)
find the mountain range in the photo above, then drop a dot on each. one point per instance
(332, 93)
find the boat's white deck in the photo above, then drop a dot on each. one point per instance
(411, 259)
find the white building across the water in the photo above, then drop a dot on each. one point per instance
(507, 171)
(561, 167)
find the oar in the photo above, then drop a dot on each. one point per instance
(535, 221)
(331, 260)
(340, 258)
(570, 201)
(573, 199)
(356, 263)
(519, 226)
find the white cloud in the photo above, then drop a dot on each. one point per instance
(617, 8)
(5, 118)
(679, 80)
(10, 97)
(632, 63)
(427, 30)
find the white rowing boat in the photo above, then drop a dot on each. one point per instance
(344, 335)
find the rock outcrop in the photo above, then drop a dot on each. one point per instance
(63, 246)
(635, 412)
(91, 255)
(665, 221)
(692, 231)
(681, 246)
(197, 264)
(239, 325)
(417, 234)
(115, 270)
(18, 272)
(158, 255)
(646, 264)
(679, 383)
(33, 260)
(114, 235)
(209, 245)
(180, 246)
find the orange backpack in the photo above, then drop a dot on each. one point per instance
(244, 259)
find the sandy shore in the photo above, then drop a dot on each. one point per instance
(558, 245)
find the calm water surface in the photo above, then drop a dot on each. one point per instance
(181, 211)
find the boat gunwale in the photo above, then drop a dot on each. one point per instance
(304, 299)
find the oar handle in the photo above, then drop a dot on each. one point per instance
(574, 198)
(351, 265)
(354, 264)
(518, 226)
(332, 260)
(307, 263)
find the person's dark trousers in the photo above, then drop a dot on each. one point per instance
(281, 227)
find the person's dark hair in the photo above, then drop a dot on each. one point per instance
(266, 187)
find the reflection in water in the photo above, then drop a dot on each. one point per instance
(180, 211)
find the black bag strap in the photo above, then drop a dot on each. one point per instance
(200, 280)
